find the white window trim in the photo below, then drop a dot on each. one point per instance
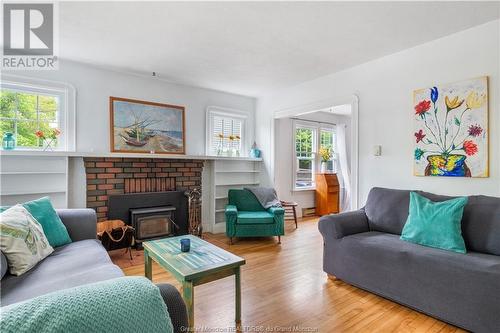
(67, 96)
(317, 126)
(213, 111)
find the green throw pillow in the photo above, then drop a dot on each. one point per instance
(53, 228)
(435, 224)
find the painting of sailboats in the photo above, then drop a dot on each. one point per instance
(146, 127)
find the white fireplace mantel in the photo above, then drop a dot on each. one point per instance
(122, 155)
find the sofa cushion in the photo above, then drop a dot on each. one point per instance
(3, 264)
(262, 217)
(43, 211)
(68, 266)
(22, 240)
(480, 222)
(54, 229)
(435, 224)
(387, 210)
(446, 284)
(244, 200)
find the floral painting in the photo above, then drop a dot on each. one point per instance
(146, 127)
(451, 129)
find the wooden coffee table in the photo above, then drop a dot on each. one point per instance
(204, 263)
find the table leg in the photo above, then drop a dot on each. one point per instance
(237, 280)
(148, 265)
(188, 296)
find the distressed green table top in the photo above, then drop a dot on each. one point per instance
(203, 258)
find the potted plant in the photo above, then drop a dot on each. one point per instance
(48, 139)
(445, 150)
(326, 155)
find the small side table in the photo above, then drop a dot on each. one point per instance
(290, 211)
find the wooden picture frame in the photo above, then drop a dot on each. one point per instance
(146, 127)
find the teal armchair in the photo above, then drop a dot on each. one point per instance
(245, 217)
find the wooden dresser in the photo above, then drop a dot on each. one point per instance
(327, 194)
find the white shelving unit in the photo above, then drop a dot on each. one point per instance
(28, 177)
(226, 175)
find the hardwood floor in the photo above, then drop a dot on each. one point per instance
(285, 286)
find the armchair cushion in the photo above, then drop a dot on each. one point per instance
(262, 217)
(244, 200)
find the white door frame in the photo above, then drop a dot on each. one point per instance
(353, 100)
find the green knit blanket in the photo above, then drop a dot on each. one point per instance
(121, 305)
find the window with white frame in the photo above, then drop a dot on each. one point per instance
(34, 114)
(305, 153)
(225, 132)
(327, 142)
(309, 141)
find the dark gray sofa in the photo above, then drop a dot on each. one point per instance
(81, 262)
(363, 248)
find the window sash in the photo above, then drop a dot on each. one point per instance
(38, 121)
(305, 150)
(226, 126)
(234, 123)
(317, 141)
(331, 164)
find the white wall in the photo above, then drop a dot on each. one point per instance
(284, 153)
(95, 85)
(384, 87)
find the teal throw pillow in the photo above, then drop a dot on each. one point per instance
(53, 228)
(435, 224)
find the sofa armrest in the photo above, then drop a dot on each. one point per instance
(80, 223)
(175, 306)
(343, 224)
(231, 210)
(276, 211)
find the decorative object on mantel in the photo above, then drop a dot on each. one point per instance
(146, 127)
(254, 151)
(232, 145)
(326, 155)
(8, 141)
(220, 144)
(451, 129)
(194, 204)
(49, 140)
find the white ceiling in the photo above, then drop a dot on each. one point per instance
(251, 48)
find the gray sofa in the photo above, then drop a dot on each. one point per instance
(363, 248)
(81, 262)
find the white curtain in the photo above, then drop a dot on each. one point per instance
(345, 172)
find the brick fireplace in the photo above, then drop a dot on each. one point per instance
(112, 176)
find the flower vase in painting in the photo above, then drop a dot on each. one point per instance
(451, 130)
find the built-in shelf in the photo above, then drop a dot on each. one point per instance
(124, 155)
(33, 192)
(237, 171)
(27, 175)
(238, 183)
(32, 172)
(228, 174)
